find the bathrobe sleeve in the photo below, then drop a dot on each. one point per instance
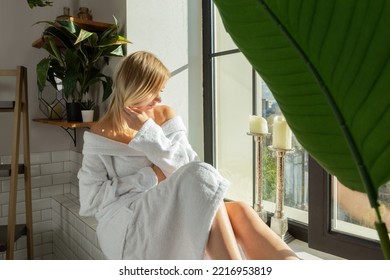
(98, 189)
(166, 146)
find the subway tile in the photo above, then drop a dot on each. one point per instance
(75, 190)
(80, 226)
(4, 198)
(96, 253)
(52, 168)
(52, 191)
(40, 158)
(55, 206)
(39, 204)
(76, 236)
(46, 215)
(35, 194)
(76, 157)
(61, 178)
(20, 254)
(91, 236)
(82, 254)
(37, 239)
(56, 218)
(47, 237)
(86, 245)
(41, 181)
(35, 170)
(74, 167)
(42, 226)
(21, 243)
(67, 188)
(60, 156)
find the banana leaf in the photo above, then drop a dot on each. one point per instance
(327, 64)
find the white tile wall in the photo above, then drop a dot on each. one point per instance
(59, 233)
(74, 237)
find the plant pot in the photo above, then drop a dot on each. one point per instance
(73, 112)
(87, 115)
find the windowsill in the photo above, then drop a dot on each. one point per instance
(304, 252)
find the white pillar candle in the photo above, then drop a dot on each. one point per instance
(258, 125)
(281, 134)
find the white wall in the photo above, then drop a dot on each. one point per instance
(172, 30)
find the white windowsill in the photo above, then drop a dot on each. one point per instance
(304, 252)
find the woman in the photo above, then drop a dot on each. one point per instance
(151, 196)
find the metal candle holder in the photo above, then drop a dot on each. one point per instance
(279, 223)
(258, 138)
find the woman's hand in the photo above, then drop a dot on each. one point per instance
(160, 175)
(135, 117)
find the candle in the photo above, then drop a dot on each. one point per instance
(258, 125)
(281, 134)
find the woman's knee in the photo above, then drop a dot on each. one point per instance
(238, 208)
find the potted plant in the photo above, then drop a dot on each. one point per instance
(87, 109)
(77, 57)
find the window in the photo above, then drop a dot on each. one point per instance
(232, 92)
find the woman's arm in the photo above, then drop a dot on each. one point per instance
(97, 189)
(167, 148)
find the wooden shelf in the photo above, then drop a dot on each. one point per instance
(65, 123)
(89, 25)
(69, 127)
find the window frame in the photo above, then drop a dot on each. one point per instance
(321, 236)
(318, 233)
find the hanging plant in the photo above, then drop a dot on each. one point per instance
(39, 3)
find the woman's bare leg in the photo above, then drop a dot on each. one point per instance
(222, 244)
(256, 239)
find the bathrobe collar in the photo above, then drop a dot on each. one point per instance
(100, 145)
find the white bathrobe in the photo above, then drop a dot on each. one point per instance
(139, 218)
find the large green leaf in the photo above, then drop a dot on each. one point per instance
(305, 48)
(327, 64)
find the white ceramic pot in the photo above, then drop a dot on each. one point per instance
(87, 115)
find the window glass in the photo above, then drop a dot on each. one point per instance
(222, 40)
(233, 99)
(238, 94)
(352, 213)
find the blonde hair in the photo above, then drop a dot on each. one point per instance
(139, 75)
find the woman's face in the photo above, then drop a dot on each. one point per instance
(150, 102)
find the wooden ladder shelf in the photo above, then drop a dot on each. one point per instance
(11, 232)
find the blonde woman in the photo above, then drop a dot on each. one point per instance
(151, 196)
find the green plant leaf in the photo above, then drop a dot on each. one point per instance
(347, 47)
(327, 64)
(107, 87)
(42, 69)
(39, 3)
(60, 37)
(83, 35)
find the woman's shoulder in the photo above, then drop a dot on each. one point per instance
(100, 128)
(163, 113)
(104, 128)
